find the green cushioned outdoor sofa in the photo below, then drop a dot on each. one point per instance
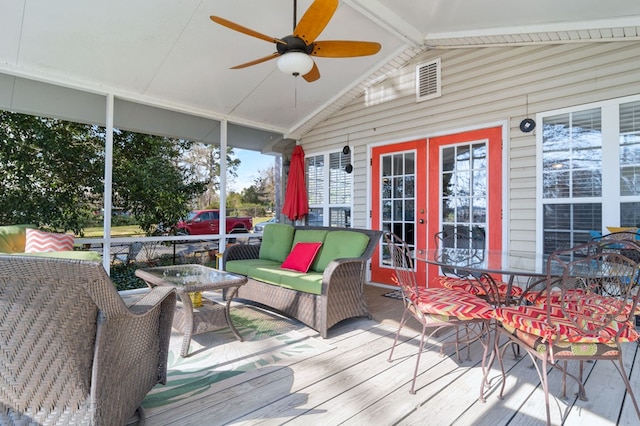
(329, 292)
(13, 241)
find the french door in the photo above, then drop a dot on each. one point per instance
(423, 186)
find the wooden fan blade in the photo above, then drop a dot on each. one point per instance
(315, 19)
(244, 30)
(312, 75)
(257, 61)
(344, 49)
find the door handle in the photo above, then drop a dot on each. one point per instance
(421, 221)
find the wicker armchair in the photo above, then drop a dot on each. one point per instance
(71, 351)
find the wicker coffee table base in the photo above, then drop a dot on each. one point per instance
(208, 317)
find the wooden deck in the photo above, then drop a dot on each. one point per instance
(354, 384)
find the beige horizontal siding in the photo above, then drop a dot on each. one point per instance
(482, 86)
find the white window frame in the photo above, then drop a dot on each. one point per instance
(610, 199)
(326, 206)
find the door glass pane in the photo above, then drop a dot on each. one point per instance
(464, 187)
(398, 198)
(409, 164)
(479, 156)
(386, 166)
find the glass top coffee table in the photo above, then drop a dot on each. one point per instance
(193, 280)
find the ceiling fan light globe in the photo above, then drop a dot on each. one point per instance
(295, 63)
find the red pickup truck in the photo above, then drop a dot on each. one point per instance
(207, 222)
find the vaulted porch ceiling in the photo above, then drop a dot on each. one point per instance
(168, 65)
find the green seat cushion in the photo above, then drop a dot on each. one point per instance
(13, 238)
(277, 240)
(242, 266)
(308, 283)
(311, 282)
(338, 245)
(270, 273)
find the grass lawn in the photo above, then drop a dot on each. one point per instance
(135, 231)
(116, 231)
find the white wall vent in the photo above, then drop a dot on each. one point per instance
(428, 80)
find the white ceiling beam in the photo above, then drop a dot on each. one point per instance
(389, 20)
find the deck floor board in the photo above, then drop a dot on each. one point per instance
(353, 384)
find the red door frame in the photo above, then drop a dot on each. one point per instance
(428, 191)
(379, 273)
(493, 136)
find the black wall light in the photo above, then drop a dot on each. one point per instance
(527, 125)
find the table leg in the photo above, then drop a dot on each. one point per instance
(227, 313)
(187, 308)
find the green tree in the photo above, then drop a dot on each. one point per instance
(263, 190)
(205, 162)
(52, 173)
(151, 181)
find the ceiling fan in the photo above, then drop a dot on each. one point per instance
(294, 51)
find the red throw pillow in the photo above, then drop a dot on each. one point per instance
(40, 241)
(301, 257)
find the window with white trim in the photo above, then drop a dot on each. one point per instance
(330, 189)
(588, 171)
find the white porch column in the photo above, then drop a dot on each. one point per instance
(108, 184)
(223, 186)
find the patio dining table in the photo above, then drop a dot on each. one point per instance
(490, 263)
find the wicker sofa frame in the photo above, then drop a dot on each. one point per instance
(342, 294)
(72, 351)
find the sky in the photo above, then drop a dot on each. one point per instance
(250, 163)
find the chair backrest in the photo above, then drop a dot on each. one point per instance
(401, 257)
(49, 312)
(594, 285)
(460, 245)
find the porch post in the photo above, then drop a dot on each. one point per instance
(223, 186)
(108, 187)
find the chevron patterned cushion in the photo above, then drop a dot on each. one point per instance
(473, 287)
(453, 303)
(39, 241)
(534, 320)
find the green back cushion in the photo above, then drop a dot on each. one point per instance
(340, 244)
(309, 236)
(13, 238)
(277, 240)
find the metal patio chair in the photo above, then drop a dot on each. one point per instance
(586, 312)
(468, 245)
(436, 308)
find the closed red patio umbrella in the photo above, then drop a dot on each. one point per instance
(296, 202)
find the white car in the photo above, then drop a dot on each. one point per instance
(260, 226)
